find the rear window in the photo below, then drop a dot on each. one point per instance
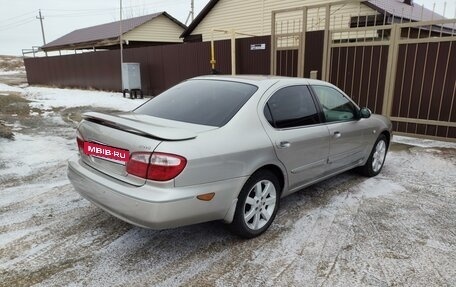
(203, 102)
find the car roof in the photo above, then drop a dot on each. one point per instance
(264, 79)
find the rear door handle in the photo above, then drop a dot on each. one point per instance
(284, 144)
(337, 135)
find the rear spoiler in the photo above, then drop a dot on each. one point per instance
(139, 128)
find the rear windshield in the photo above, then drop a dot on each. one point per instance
(203, 102)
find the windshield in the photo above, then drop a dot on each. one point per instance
(203, 102)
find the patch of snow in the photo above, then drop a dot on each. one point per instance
(8, 88)
(40, 199)
(425, 143)
(27, 154)
(194, 269)
(8, 237)
(422, 161)
(58, 121)
(443, 246)
(16, 126)
(34, 250)
(48, 98)
(6, 73)
(23, 192)
(374, 187)
(378, 187)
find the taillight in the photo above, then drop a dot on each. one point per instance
(156, 166)
(138, 164)
(165, 166)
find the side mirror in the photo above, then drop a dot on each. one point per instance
(364, 113)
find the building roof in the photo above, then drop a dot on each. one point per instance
(396, 8)
(399, 9)
(104, 31)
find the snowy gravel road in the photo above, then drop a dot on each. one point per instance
(397, 229)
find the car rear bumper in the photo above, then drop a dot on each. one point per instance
(153, 207)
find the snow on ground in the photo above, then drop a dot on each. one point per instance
(8, 73)
(423, 142)
(16, 194)
(48, 98)
(8, 88)
(27, 154)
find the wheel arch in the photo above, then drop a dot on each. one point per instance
(278, 171)
(387, 134)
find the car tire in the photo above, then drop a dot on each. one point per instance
(257, 205)
(376, 158)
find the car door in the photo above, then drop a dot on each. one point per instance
(347, 132)
(300, 140)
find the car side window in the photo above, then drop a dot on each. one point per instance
(291, 107)
(336, 107)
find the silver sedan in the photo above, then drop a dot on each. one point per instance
(223, 148)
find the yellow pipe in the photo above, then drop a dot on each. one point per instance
(212, 61)
(233, 48)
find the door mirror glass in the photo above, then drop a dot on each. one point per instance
(365, 113)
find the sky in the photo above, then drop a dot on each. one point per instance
(20, 29)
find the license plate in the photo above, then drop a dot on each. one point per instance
(105, 151)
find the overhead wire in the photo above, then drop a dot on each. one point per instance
(17, 22)
(25, 18)
(8, 27)
(18, 16)
(96, 11)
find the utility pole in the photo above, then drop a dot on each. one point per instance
(121, 47)
(192, 9)
(41, 18)
(192, 12)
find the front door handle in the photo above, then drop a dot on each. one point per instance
(337, 135)
(284, 144)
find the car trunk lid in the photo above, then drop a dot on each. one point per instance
(130, 132)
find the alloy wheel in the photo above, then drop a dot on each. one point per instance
(379, 156)
(260, 204)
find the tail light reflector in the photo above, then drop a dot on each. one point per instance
(138, 164)
(156, 166)
(165, 166)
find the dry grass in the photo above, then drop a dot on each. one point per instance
(12, 105)
(11, 63)
(5, 132)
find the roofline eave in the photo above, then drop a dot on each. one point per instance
(83, 45)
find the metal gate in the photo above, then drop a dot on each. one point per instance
(404, 71)
(287, 37)
(298, 36)
(421, 100)
(396, 67)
